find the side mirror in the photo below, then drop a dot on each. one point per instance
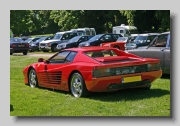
(40, 60)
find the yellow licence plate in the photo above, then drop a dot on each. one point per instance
(131, 79)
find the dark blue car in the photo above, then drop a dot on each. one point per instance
(18, 45)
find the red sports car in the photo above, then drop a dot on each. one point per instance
(92, 69)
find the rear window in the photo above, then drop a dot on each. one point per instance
(101, 53)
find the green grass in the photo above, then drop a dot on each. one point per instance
(25, 101)
(41, 52)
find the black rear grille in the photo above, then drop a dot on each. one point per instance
(42, 44)
(128, 70)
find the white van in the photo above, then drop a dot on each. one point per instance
(125, 30)
(85, 31)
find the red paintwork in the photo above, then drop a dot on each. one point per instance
(120, 44)
(84, 65)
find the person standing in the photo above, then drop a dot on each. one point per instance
(11, 34)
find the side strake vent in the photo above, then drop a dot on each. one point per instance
(52, 77)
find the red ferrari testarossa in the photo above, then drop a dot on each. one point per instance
(92, 69)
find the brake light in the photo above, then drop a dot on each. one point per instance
(103, 72)
(13, 45)
(153, 66)
(27, 44)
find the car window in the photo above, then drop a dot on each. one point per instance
(101, 53)
(60, 57)
(106, 38)
(70, 57)
(57, 36)
(150, 38)
(82, 39)
(68, 36)
(161, 40)
(115, 37)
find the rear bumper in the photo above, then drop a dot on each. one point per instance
(113, 83)
(45, 48)
(33, 48)
(16, 50)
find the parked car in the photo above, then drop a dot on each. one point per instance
(100, 38)
(74, 42)
(159, 48)
(24, 37)
(119, 44)
(30, 40)
(34, 46)
(92, 69)
(18, 45)
(60, 37)
(141, 40)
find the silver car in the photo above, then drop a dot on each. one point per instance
(159, 48)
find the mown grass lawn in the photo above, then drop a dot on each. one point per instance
(25, 101)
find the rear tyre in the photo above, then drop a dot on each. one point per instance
(78, 86)
(53, 48)
(45, 50)
(32, 78)
(25, 53)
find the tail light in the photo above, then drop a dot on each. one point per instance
(13, 45)
(27, 45)
(105, 72)
(153, 67)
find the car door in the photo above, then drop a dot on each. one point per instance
(51, 73)
(82, 39)
(54, 68)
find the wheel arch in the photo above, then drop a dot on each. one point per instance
(31, 67)
(70, 75)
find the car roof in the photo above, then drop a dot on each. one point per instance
(146, 34)
(65, 32)
(168, 32)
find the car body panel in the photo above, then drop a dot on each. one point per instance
(119, 45)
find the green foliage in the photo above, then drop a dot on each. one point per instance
(25, 101)
(52, 21)
(164, 17)
(129, 15)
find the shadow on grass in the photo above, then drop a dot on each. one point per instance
(11, 108)
(165, 76)
(121, 95)
(129, 95)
